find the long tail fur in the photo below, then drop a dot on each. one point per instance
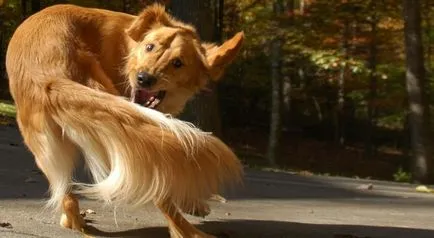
(137, 155)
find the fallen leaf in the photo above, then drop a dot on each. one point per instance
(218, 198)
(368, 186)
(423, 188)
(305, 173)
(30, 180)
(6, 225)
(83, 213)
(36, 171)
(90, 211)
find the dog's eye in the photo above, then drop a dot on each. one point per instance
(149, 47)
(177, 63)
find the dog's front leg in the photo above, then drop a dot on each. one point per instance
(179, 227)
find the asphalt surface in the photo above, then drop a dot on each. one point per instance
(268, 205)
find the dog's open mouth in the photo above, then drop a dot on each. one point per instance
(149, 99)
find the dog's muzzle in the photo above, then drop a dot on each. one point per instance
(144, 95)
(146, 80)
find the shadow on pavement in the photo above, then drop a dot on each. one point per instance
(20, 178)
(271, 229)
(270, 185)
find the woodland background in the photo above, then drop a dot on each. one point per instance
(338, 87)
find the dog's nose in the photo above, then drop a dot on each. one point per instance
(146, 80)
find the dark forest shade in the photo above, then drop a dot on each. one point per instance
(375, 112)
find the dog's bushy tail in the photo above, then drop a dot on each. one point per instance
(137, 155)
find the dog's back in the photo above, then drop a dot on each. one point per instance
(60, 42)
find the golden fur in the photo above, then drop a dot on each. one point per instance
(70, 70)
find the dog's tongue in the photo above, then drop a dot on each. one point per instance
(144, 94)
(144, 97)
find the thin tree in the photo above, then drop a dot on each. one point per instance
(422, 164)
(23, 9)
(340, 112)
(372, 66)
(126, 6)
(3, 82)
(287, 79)
(428, 6)
(203, 111)
(35, 5)
(276, 92)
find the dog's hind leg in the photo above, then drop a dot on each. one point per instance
(179, 227)
(71, 217)
(56, 156)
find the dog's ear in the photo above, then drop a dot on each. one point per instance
(219, 57)
(153, 15)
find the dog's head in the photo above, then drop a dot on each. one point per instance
(169, 63)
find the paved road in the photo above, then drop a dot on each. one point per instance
(269, 205)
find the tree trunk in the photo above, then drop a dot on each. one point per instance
(23, 9)
(4, 92)
(372, 66)
(218, 22)
(276, 94)
(340, 113)
(203, 110)
(422, 166)
(126, 6)
(302, 7)
(428, 29)
(287, 86)
(35, 5)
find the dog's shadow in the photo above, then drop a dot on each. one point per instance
(157, 232)
(269, 229)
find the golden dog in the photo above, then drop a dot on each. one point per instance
(70, 70)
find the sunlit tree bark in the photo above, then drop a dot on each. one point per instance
(422, 166)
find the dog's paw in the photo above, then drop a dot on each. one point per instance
(77, 223)
(218, 198)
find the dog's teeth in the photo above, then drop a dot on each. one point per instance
(155, 103)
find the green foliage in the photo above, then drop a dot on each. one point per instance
(313, 59)
(7, 109)
(402, 176)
